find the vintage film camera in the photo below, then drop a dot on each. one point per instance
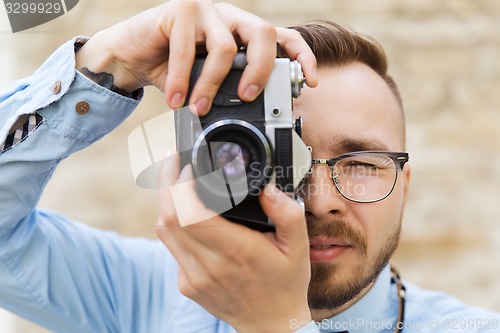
(240, 146)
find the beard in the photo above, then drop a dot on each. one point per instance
(328, 288)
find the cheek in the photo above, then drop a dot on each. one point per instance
(379, 221)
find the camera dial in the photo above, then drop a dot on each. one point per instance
(297, 78)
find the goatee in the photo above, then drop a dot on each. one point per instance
(329, 288)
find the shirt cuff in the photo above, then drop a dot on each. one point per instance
(18, 134)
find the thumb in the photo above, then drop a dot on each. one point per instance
(287, 215)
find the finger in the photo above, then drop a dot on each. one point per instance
(182, 47)
(190, 209)
(180, 205)
(186, 223)
(288, 217)
(197, 250)
(198, 286)
(260, 38)
(169, 173)
(222, 49)
(190, 254)
(194, 260)
(168, 227)
(207, 226)
(184, 249)
(297, 49)
(184, 284)
(261, 53)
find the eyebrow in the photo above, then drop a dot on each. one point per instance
(347, 145)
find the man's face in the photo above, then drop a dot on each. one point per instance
(352, 109)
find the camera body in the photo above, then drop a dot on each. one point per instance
(240, 146)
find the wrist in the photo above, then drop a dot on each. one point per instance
(97, 58)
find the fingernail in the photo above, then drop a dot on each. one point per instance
(251, 92)
(176, 101)
(202, 106)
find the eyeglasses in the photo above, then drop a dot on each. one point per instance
(365, 176)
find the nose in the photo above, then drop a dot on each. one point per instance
(320, 194)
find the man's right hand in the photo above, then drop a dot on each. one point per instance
(157, 47)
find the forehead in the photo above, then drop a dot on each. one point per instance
(352, 108)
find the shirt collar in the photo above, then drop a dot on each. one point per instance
(367, 313)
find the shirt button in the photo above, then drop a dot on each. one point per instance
(82, 107)
(56, 89)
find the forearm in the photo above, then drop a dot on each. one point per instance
(66, 128)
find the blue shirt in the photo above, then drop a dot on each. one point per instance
(69, 277)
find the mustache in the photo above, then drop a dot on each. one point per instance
(337, 228)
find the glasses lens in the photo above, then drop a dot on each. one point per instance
(365, 177)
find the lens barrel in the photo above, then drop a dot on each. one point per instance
(239, 151)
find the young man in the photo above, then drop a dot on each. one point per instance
(328, 264)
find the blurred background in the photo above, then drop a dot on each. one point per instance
(445, 56)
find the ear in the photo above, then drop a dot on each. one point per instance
(406, 173)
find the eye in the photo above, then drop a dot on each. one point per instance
(366, 165)
(361, 164)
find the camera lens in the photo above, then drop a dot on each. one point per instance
(236, 157)
(233, 158)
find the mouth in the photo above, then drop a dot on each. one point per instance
(321, 247)
(325, 242)
(324, 250)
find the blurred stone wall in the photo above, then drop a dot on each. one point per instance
(445, 55)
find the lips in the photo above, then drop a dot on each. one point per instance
(325, 250)
(321, 247)
(319, 242)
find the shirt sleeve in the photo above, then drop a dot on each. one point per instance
(64, 275)
(76, 114)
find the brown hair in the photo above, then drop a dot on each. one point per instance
(335, 45)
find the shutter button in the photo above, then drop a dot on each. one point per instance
(82, 107)
(56, 89)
